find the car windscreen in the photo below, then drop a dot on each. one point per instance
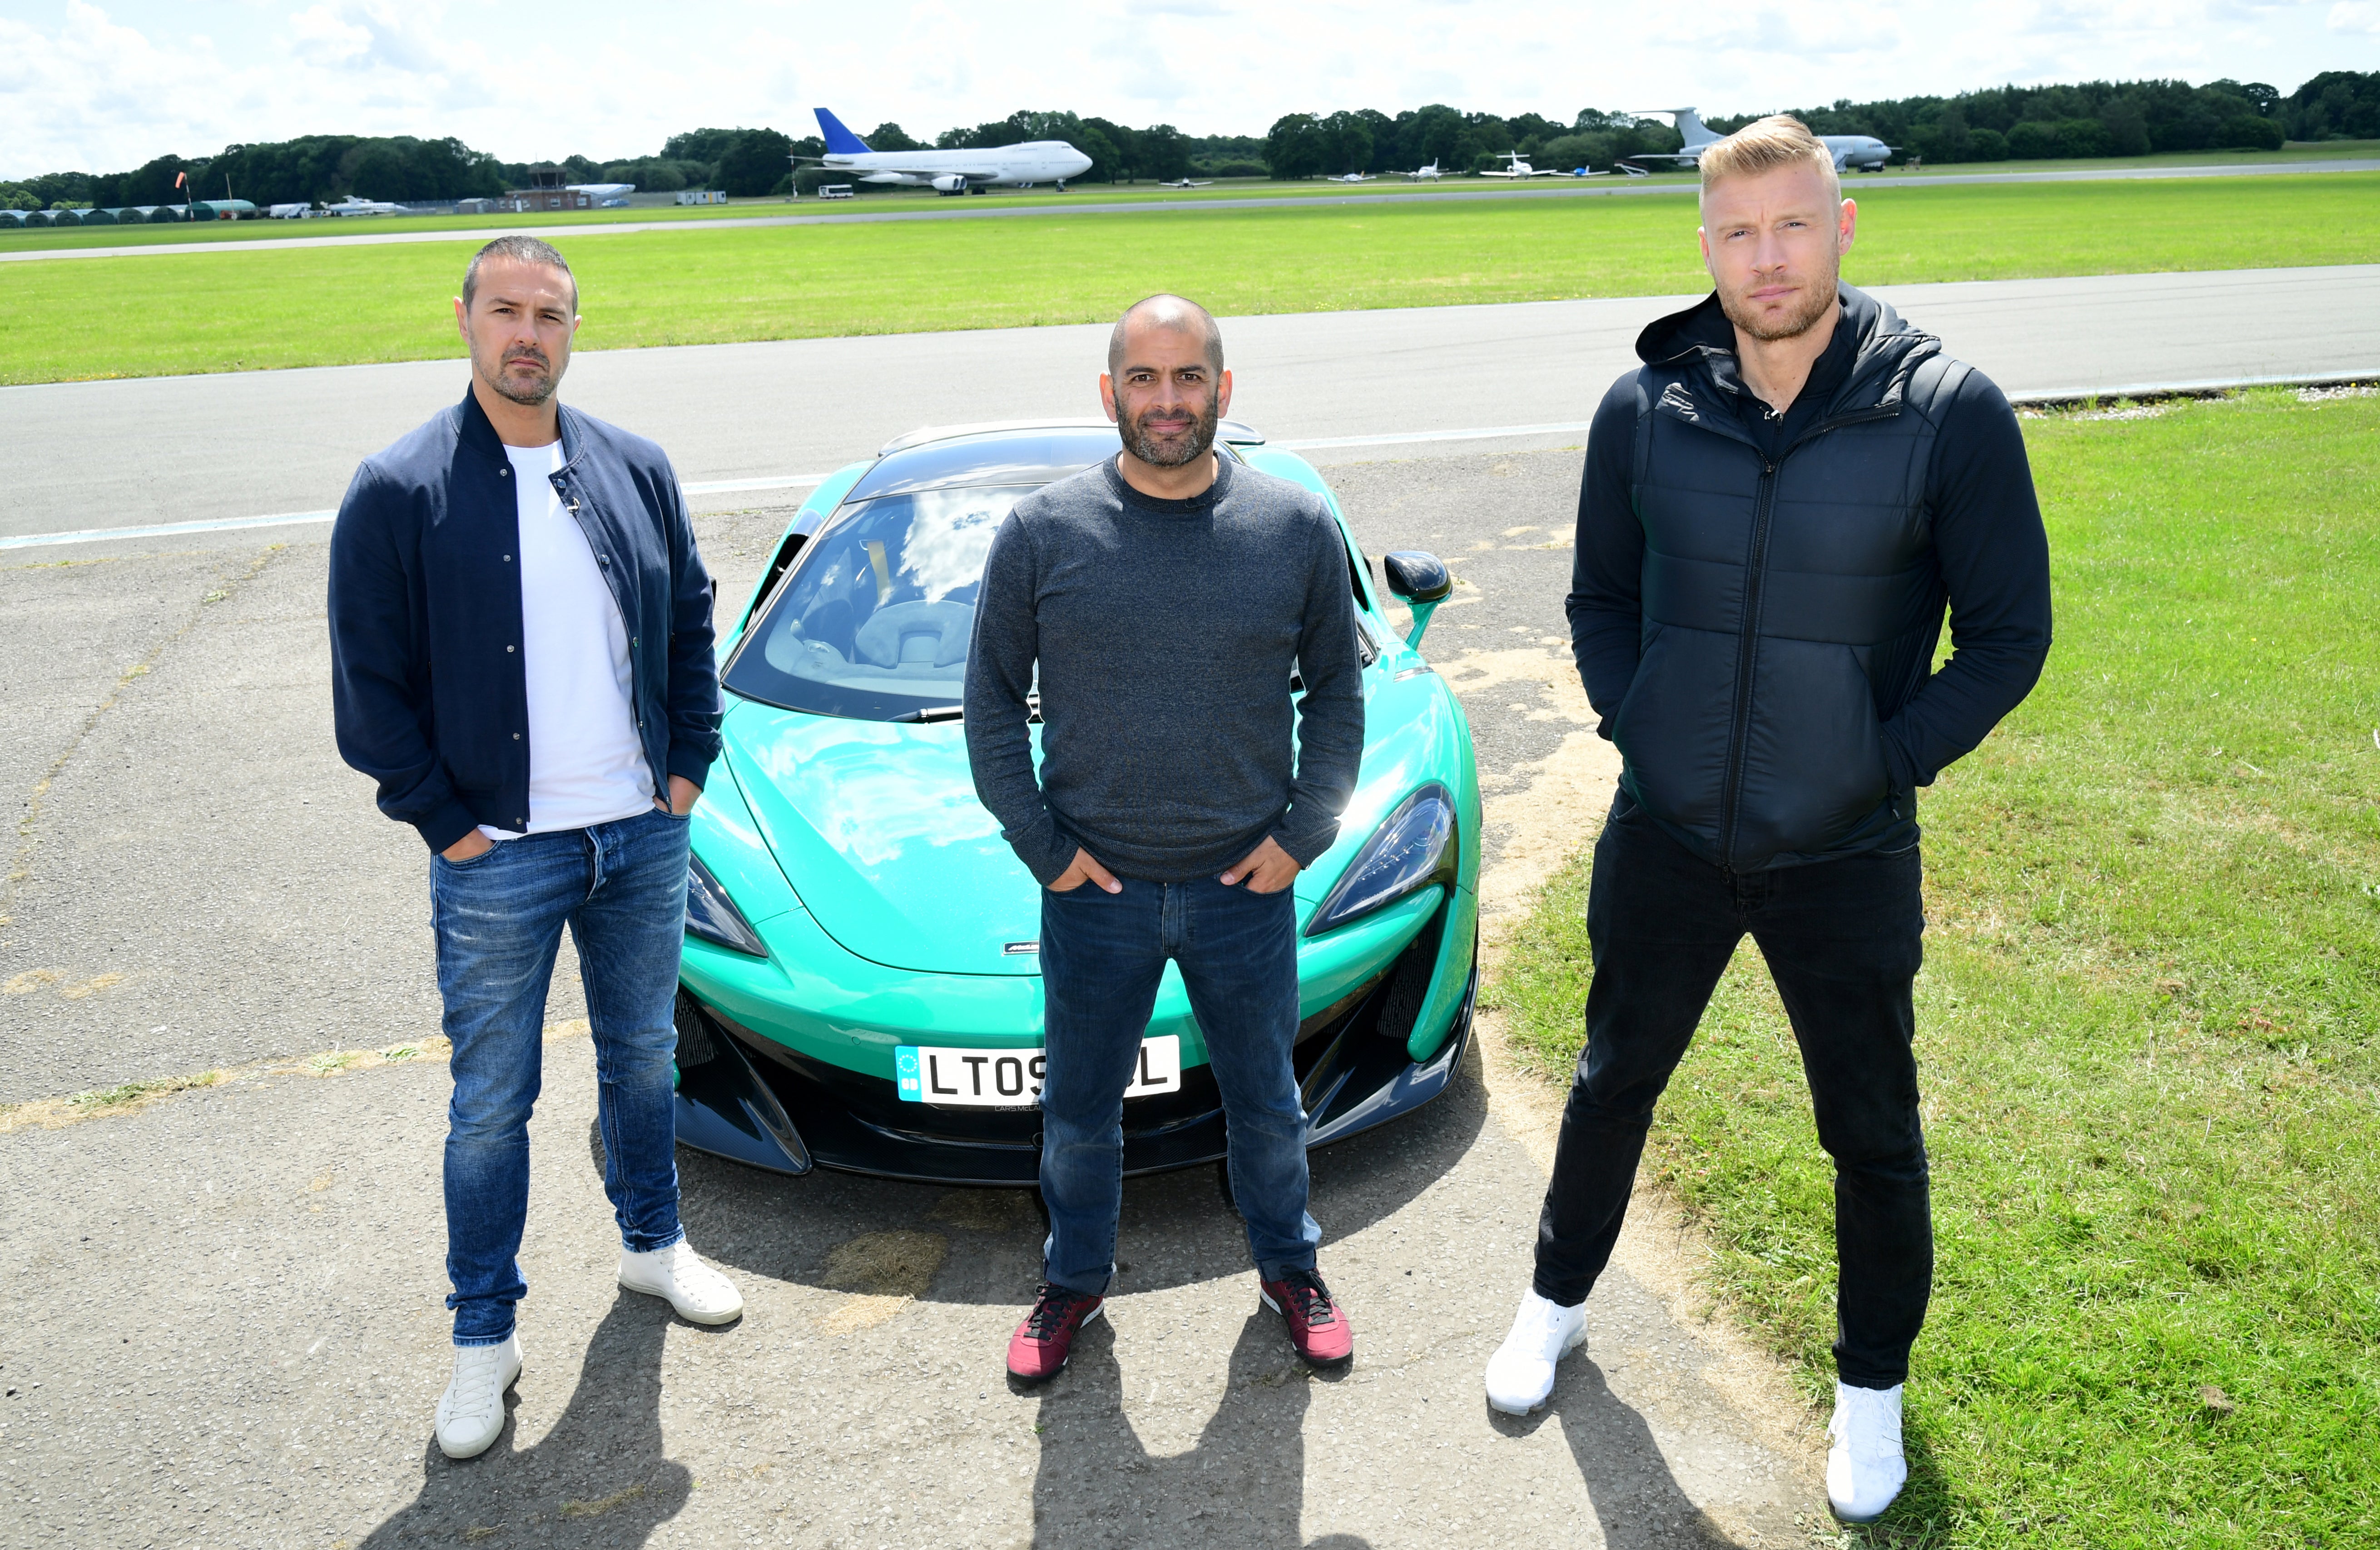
(874, 620)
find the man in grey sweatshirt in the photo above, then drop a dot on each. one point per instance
(1166, 596)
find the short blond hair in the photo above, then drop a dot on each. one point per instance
(1778, 141)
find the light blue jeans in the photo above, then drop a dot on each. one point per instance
(621, 889)
(1102, 955)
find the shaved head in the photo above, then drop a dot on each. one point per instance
(1170, 312)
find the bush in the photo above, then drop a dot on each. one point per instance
(1576, 151)
(2083, 137)
(2032, 141)
(1237, 169)
(1986, 145)
(2246, 132)
(756, 164)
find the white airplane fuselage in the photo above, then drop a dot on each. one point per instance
(1019, 166)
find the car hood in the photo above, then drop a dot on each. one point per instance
(877, 826)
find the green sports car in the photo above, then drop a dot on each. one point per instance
(859, 989)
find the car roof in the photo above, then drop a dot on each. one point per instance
(1014, 452)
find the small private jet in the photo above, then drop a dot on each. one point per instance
(1517, 168)
(1189, 183)
(1352, 177)
(1852, 152)
(1424, 174)
(948, 172)
(355, 204)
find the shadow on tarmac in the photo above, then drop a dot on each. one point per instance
(1243, 1485)
(598, 1479)
(1637, 1501)
(1176, 1228)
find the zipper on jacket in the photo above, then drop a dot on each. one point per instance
(1747, 645)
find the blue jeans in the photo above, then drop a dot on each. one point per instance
(1102, 955)
(621, 889)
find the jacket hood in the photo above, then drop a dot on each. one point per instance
(1887, 345)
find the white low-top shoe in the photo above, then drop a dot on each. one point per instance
(1521, 1374)
(1864, 1469)
(471, 1412)
(701, 1294)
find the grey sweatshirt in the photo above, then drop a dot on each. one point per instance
(1166, 631)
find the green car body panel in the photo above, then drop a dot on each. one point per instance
(893, 914)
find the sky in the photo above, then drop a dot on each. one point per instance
(103, 87)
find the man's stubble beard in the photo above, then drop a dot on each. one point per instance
(1814, 303)
(1159, 455)
(535, 397)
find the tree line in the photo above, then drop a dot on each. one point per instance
(2093, 118)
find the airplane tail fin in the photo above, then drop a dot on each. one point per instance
(1697, 132)
(840, 141)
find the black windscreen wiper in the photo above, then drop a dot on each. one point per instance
(932, 713)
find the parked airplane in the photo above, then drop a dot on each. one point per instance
(1575, 172)
(298, 211)
(1188, 183)
(1515, 167)
(1852, 152)
(1353, 177)
(355, 204)
(949, 172)
(1420, 174)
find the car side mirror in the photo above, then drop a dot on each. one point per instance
(1421, 582)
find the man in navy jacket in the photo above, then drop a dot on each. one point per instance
(521, 657)
(1775, 510)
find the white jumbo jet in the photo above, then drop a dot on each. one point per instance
(949, 172)
(355, 204)
(1424, 174)
(1852, 152)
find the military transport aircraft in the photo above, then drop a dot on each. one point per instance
(1852, 152)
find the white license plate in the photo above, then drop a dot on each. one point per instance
(1012, 1078)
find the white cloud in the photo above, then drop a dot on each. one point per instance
(109, 88)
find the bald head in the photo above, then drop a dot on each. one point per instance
(1171, 312)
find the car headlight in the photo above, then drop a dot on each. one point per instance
(1412, 847)
(713, 916)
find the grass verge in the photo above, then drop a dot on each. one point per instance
(2150, 1024)
(247, 310)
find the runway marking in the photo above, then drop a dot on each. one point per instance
(1308, 443)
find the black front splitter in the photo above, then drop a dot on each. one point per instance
(757, 1102)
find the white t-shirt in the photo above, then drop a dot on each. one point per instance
(586, 762)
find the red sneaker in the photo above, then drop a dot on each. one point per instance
(1042, 1342)
(1317, 1326)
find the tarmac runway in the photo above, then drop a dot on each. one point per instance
(147, 452)
(221, 1317)
(1606, 186)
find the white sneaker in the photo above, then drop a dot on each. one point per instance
(1864, 1469)
(471, 1412)
(701, 1294)
(1521, 1374)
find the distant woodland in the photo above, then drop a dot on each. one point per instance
(2095, 118)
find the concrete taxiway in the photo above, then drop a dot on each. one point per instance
(739, 419)
(220, 1315)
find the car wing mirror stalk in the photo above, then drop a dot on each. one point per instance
(1420, 581)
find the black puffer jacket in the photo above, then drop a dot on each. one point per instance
(1757, 625)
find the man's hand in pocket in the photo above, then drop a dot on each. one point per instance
(1085, 869)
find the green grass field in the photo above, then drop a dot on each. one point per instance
(124, 317)
(2150, 1024)
(17, 240)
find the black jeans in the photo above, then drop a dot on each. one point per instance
(1841, 938)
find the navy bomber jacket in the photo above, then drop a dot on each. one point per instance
(428, 691)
